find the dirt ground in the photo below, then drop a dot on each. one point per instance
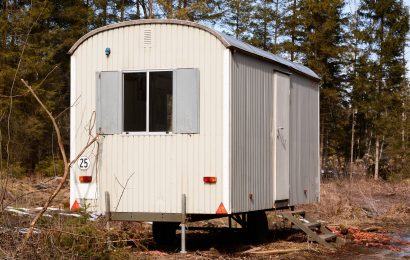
(373, 217)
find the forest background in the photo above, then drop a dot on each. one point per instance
(357, 47)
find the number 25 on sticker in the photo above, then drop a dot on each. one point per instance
(83, 163)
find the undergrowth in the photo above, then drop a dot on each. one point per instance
(63, 237)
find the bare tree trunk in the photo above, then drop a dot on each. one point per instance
(5, 29)
(150, 9)
(275, 32)
(369, 144)
(265, 35)
(293, 37)
(144, 8)
(122, 8)
(321, 141)
(376, 158)
(352, 143)
(237, 22)
(137, 12)
(1, 152)
(403, 132)
(105, 12)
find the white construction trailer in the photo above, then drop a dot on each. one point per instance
(193, 124)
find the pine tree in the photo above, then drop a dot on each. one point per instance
(56, 25)
(122, 8)
(141, 10)
(192, 10)
(105, 12)
(291, 29)
(384, 28)
(237, 18)
(265, 24)
(322, 49)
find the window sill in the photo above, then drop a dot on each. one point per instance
(146, 133)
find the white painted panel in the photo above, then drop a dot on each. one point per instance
(281, 140)
(226, 129)
(158, 168)
(73, 98)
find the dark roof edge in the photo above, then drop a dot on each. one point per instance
(315, 79)
(147, 21)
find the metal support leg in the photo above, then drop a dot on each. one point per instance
(107, 206)
(230, 222)
(183, 225)
(108, 215)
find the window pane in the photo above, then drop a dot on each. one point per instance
(135, 102)
(160, 101)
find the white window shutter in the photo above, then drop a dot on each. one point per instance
(186, 101)
(109, 102)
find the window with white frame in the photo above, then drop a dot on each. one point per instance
(148, 101)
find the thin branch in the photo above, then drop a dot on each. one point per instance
(24, 195)
(34, 88)
(119, 183)
(67, 108)
(11, 106)
(67, 165)
(123, 189)
(56, 128)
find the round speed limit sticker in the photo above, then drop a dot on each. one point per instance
(83, 163)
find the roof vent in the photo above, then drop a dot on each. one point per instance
(147, 38)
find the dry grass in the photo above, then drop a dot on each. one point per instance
(362, 201)
(33, 191)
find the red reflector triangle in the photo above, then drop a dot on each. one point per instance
(75, 206)
(221, 209)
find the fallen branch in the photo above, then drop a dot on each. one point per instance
(277, 251)
(251, 250)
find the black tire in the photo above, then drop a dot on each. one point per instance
(164, 233)
(257, 226)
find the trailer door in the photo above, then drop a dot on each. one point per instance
(281, 135)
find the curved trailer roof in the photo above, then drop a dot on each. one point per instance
(228, 41)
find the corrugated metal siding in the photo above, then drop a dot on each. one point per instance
(304, 136)
(251, 125)
(162, 166)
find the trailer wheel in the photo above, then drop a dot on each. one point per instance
(164, 233)
(257, 226)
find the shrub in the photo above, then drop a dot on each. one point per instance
(49, 167)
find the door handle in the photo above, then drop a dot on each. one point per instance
(278, 132)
